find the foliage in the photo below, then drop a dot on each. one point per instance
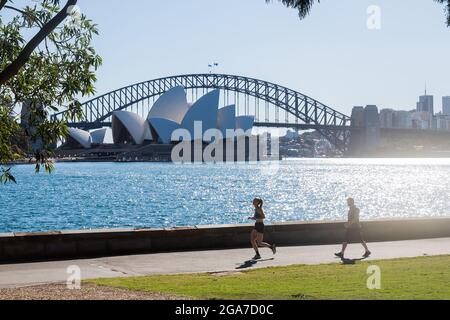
(304, 7)
(48, 72)
(447, 9)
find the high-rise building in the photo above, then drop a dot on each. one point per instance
(446, 105)
(372, 126)
(368, 138)
(442, 123)
(402, 119)
(387, 118)
(422, 120)
(426, 104)
(371, 117)
(358, 117)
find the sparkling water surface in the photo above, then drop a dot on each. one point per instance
(136, 195)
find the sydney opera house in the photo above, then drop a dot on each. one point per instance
(172, 111)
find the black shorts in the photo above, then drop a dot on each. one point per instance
(353, 235)
(259, 227)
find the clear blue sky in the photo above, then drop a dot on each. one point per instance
(331, 55)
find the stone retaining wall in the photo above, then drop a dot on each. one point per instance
(16, 247)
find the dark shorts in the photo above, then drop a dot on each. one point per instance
(353, 235)
(259, 227)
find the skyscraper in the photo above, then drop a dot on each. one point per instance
(446, 105)
(358, 117)
(368, 138)
(372, 126)
(426, 104)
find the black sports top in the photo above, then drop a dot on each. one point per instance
(257, 215)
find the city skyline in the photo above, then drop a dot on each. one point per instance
(333, 58)
(433, 102)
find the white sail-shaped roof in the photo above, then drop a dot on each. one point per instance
(245, 123)
(136, 126)
(164, 128)
(205, 110)
(98, 136)
(80, 136)
(226, 119)
(172, 105)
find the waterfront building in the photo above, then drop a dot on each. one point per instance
(226, 119)
(387, 118)
(421, 120)
(426, 104)
(290, 135)
(369, 137)
(402, 119)
(372, 124)
(446, 105)
(98, 136)
(443, 122)
(78, 139)
(130, 128)
(357, 118)
(169, 113)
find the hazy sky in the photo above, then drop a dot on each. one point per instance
(331, 55)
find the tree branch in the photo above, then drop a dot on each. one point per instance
(12, 69)
(2, 3)
(36, 19)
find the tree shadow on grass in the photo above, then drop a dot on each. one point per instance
(250, 263)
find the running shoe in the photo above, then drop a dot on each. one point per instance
(257, 257)
(367, 254)
(274, 248)
(339, 255)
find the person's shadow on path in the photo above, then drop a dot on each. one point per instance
(250, 263)
(351, 261)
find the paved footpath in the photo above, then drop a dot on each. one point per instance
(26, 274)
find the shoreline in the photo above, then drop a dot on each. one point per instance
(219, 225)
(36, 246)
(90, 160)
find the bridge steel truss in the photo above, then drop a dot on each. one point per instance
(308, 113)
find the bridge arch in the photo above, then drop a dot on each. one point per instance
(307, 112)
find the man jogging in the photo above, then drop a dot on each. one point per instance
(353, 229)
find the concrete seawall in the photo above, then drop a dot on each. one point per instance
(20, 247)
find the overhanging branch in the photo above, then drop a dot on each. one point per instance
(2, 3)
(12, 69)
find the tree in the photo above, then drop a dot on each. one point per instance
(304, 7)
(49, 70)
(447, 9)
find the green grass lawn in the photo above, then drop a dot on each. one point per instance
(415, 278)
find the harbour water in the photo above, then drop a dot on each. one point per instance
(137, 195)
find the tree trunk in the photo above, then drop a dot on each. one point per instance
(3, 3)
(12, 69)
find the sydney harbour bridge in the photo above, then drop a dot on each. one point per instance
(273, 105)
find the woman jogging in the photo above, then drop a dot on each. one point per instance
(257, 234)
